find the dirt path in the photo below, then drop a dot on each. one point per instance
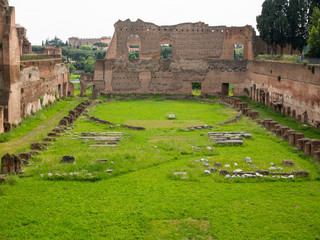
(25, 140)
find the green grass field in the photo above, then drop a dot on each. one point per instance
(143, 199)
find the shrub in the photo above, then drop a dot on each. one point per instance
(305, 62)
(279, 78)
(41, 100)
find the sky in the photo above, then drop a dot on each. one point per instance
(45, 19)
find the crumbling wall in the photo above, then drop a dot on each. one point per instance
(293, 89)
(40, 81)
(10, 65)
(200, 53)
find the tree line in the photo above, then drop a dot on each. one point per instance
(82, 58)
(294, 22)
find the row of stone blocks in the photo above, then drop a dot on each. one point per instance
(75, 113)
(243, 106)
(309, 146)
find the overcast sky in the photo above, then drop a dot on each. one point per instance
(45, 19)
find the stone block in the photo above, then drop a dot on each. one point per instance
(278, 132)
(316, 156)
(301, 173)
(315, 146)
(301, 143)
(10, 163)
(288, 163)
(246, 110)
(297, 137)
(64, 122)
(242, 105)
(307, 148)
(291, 137)
(25, 155)
(235, 101)
(253, 114)
(272, 125)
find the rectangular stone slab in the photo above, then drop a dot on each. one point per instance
(104, 139)
(103, 146)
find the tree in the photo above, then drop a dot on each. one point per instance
(89, 65)
(273, 23)
(312, 5)
(71, 67)
(314, 34)
(297, 16)
(55, 42)
(100, 44)
(86, 48)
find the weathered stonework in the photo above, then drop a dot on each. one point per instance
(200, 53)
(26, 86)
(293, 89)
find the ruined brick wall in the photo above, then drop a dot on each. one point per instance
(10, 65)
(200, 53)
(43, 81)
(293, 89)
(190, 41)
(24, 44)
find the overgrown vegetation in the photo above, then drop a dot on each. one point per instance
(278, 58)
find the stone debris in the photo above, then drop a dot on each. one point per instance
(109, 170)
(102, 160)
(10, 163)
(212, 169)
(196, 148)
(207, 172)
(199, 127)
(229, 138)
(49, 139)
(218, 164)
(223, 172)
(301, 173)
(209, 148)
(248, 160)
(25, 156)
(180, 173)
(273, 169)
(227, 166)
(68, 159)
(171, 116)
(38, 146)
(288, 163)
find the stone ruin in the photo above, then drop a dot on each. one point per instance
(229, 138)
(10, 163)
(23, 83)
(203, 54)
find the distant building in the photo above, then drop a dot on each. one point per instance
(78, 42)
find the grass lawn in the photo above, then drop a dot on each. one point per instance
(143, 199)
